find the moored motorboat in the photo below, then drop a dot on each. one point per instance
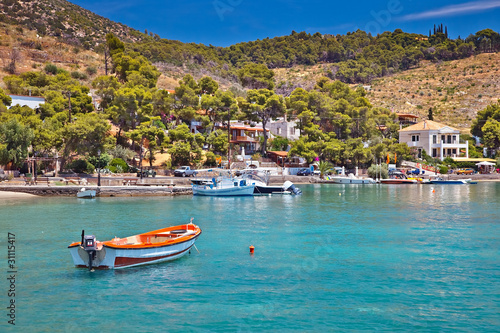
(86, 194)
(151, 247)
(222, 186)
(442, 181)
(260, 179)
(398, 178)
(351, 179)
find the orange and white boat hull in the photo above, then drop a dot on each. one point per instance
(113, 255)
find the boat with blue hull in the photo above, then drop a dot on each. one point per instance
(222, 186)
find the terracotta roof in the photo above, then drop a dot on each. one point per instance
(279, 153)
(425, 126)
(406, 115)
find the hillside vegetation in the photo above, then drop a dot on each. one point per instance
(407, 72)
(59, 18)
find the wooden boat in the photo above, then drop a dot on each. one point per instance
(147, 248)
(86, 194)
(223, 186)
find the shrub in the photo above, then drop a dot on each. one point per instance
(375, 170)
(81, 166)
(118, 164)
(211, 159)
(51, 69)
(91, 70)
(443, 169)
(77, 75)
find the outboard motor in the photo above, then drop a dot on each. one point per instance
(90, 246)
(288, 185)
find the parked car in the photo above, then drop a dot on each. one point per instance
(468, 171)
(304, 172)
(415, 172)
(185, 171)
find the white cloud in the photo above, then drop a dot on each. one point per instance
(453, 10)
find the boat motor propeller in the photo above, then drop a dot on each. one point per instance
(90, 246)
(288, 185)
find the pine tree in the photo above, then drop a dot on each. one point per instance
(446, 31)
(434, 29)
(430, 116)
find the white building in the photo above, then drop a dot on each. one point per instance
(438, 140)
(285, 129)
(31, 101)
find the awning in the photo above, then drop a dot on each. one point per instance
(486, 163)
(478, 159)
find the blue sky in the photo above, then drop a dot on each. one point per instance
(226, 22)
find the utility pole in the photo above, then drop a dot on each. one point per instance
(99, 168)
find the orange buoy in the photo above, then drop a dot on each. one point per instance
(252, 248)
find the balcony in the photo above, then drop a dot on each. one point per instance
(244, 139)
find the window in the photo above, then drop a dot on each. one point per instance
(454, 151)
(442, 138)
(415, 138)
(454, 139)
(449, 138)
(434, 139)
(434, 152)
(279, 130)
(292, 130)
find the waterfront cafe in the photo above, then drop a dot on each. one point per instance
(486, 167)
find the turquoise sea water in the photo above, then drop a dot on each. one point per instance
(337, 258)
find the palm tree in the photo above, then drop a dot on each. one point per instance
(324, 167)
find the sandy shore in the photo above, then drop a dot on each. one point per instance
(15, 195)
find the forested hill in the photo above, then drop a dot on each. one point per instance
(356, 57)
(60, 18)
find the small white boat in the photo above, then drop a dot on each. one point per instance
(86, 194)
(222, 186)
(351, 179)
(442, 181)
(148, 248)
(260, 179)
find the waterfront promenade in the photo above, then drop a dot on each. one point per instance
(158, 186)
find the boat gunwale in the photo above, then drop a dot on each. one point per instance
(139, 246)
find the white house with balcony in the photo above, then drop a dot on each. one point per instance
(438, 140)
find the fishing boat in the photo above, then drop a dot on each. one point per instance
(398, 178)
(260, 178)
(148, 248)
(222, 186)
(86, 194)
(442, 181)
(351, 179)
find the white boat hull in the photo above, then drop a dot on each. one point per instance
(206, 190)
(86, 194)
(351, 180)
